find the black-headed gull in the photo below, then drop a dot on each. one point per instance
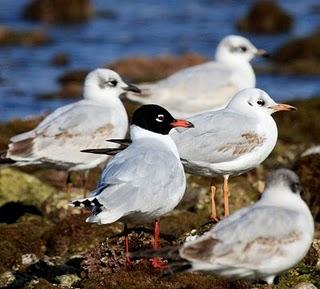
(57, 140)
(257, 242)
(205, 86)
(144, 181)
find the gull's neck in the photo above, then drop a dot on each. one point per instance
(137, 133)
(281, 196)
(95, 94)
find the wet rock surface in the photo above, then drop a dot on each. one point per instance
(59, 11)
(266, 17)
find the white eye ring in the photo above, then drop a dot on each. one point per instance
(160, 118)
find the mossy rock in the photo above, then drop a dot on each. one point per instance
(21, 238)
(16, 186)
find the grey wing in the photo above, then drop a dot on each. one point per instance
(62, 135)
(249, 240)
(218, 136)
(205, 76)
(128, 182)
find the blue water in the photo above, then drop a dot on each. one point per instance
(143, 27)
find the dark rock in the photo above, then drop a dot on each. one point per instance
(59, 11)
(14, 127)
(266, 17)
(145, 69)
(301, 55)
(10, 37)
(60, 59)
(12, 211)
(73, 76)
(308, 169)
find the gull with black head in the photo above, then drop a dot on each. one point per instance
(146, 180)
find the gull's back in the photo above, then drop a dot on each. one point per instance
(140, 184)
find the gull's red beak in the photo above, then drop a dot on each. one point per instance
(181, 123)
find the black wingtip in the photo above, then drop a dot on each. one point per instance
(124, 142)
(4, 160)
(104, 151)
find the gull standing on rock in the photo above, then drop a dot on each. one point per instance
(205, 86)
(257, 242)
(56, 142)
(146, 180)
(231, 141)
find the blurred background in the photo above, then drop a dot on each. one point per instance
(46, 46)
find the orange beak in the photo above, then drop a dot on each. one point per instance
(181, 123)
(282, 106)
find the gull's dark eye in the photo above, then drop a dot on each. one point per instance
(112, 82)
(296, 188)
(160, 118)
(261, 102)
(243, 48)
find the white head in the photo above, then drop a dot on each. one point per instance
(102, 84)
(284, 178)
(237, 49)
(255, 100)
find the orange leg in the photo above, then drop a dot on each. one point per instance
(213, 189)
(68, 184)
(157, 262)
(126, 240)
(226, 195)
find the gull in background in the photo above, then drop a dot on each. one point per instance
(143, 182)
(205, 86)
(257, 242)
(56, 142)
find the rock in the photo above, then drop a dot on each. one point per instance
(73, 76)
(265, 17)
(14, 127)
(300, 55)
(313, 256)
(19, 239)
(69, 279)
(308, 169)
(10, 37)
(6, 278)
(16, 186)
(304, 285)
(60, 59)
(145, 69)
(301, 127)
(59, 11)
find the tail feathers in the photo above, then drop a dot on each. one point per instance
(86, 203)
(105, 151)
(176, 264)
(4, 159)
